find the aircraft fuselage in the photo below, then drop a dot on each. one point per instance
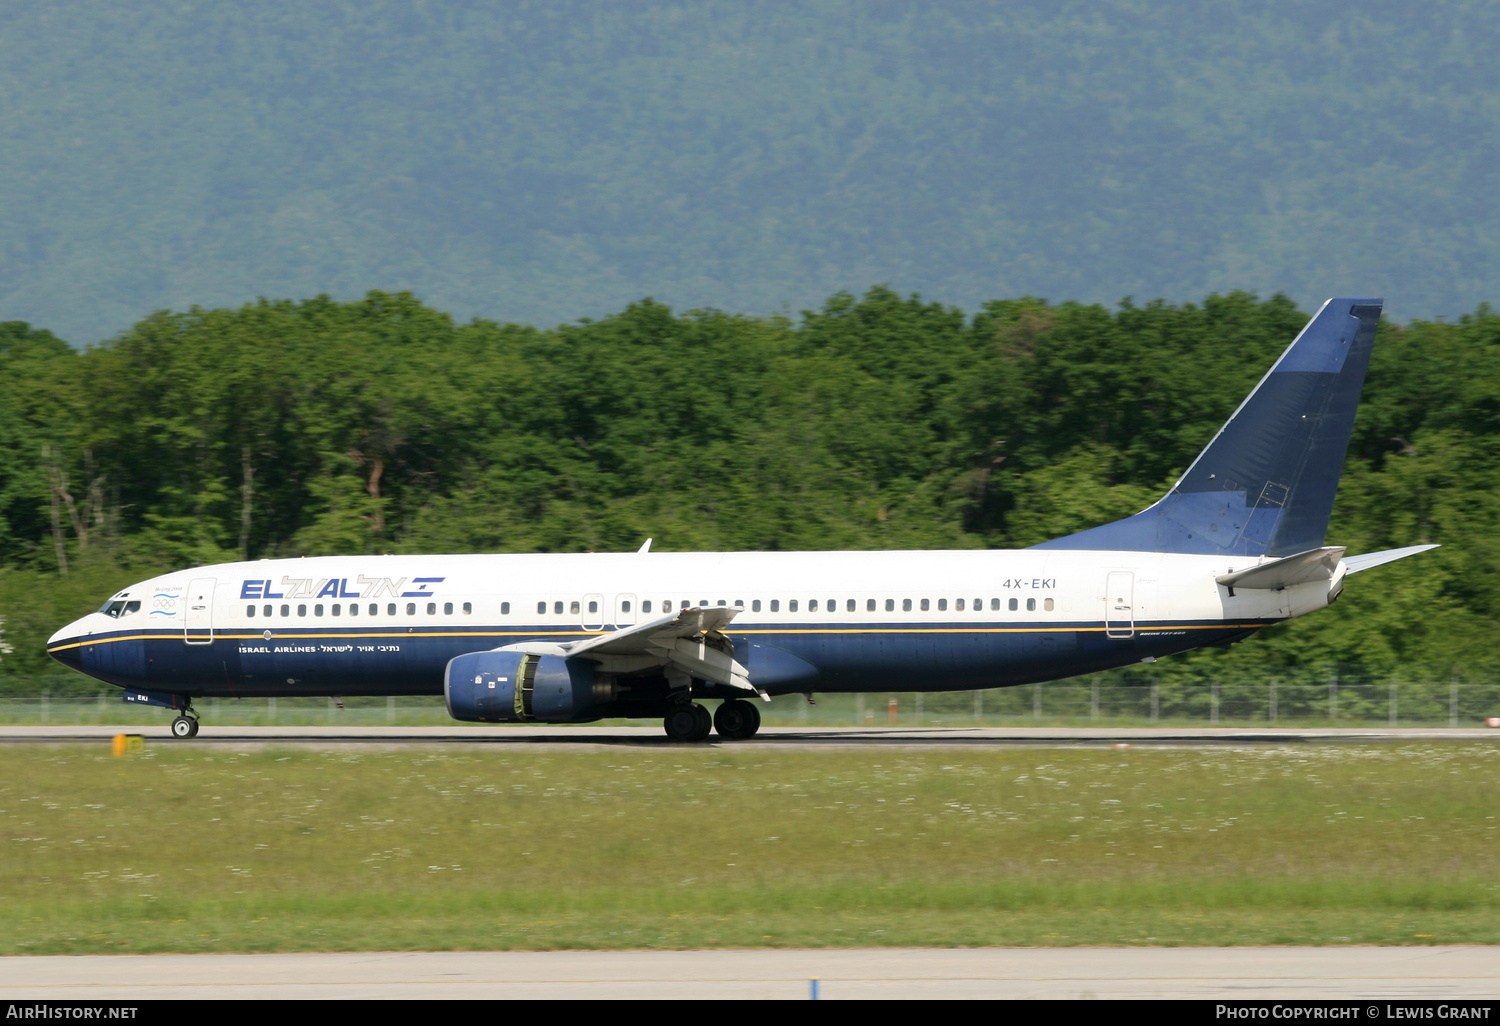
(910, 621)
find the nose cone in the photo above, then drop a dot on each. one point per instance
(95, 645)
(66, 646)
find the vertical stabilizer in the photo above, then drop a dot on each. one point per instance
(1265, 484)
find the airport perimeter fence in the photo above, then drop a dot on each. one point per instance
(1096, 701)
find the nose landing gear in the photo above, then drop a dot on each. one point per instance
(186, 725)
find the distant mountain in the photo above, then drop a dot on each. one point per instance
(545, 160)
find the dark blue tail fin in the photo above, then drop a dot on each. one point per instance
(1265, 484)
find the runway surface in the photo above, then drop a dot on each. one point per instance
(793, 737)
(1235, 974)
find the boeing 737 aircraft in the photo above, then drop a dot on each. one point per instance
(1237, 544)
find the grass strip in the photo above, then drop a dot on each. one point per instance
(186, 848)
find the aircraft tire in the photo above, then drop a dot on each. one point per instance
(737, 719)
(687, 723)
(705, 722)
(184, 727)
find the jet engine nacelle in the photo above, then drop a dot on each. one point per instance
(504, 687)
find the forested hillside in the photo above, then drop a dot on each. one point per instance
(540, 160)
(286, 428)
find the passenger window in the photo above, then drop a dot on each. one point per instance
(625, 606)
(338, 609)
(924, 605)
(958, 605)
(755, 605)
(890, 605)
(354, 609)
(646, 606)
(869, 605)
(1013, 605)
(541, 607)
(852, 606)
(447, 608)
(574, 608)
(557, 608)
(812, 606)
(374, 609)
(995, 604)
(302, 610)
(1031, 605)
(593, 607)
(390, 609)
(776, 605)
(286, 610)
(432, 609)
(791, 607)
(1047, 605)
(411, 609)
(942, 605)
(265, 611)
(250, 611)
(906, 605)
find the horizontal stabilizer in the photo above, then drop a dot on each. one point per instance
(1312, 565)
(1369, 559)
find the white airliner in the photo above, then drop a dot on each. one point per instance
(1237, 544)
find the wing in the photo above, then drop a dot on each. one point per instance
(647, 637)
(688, 644)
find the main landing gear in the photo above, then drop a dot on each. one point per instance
(687, 722)
(735, 719)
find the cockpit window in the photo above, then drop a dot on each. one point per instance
(117, 608)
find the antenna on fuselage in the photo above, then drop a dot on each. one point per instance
(645, 547)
